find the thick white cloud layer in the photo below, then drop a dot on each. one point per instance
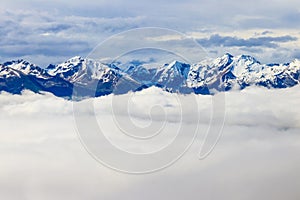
(257, 156)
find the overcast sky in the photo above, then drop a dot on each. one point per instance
(51, 31)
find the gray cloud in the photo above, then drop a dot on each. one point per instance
(34, 34)
(251, 49)
(179, 15)
(188, 14)
(87, 23)
(56, 48)
(296, 53)
(230, 41)
(266, 32)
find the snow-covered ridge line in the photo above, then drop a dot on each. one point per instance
(92, 78)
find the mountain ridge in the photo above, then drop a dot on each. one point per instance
(88, 78)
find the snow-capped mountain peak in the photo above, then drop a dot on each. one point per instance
(26, 68)
(7, 72)
(223, 73)
(68, 68)
(223, 61)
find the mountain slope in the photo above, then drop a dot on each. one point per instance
(88, 78)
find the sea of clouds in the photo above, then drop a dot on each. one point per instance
(257, 156)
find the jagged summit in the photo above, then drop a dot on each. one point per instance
(93, 78)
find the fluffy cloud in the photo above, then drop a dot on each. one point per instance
(256, 158)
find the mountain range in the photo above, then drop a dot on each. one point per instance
(79, 77)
